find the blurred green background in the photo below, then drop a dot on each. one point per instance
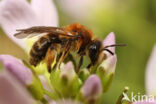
(132, 21)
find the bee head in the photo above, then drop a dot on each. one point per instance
(94, 51)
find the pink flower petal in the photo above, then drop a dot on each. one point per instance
(16, 14)
(151, 74)
(109, 40)
(92, 87)
(46, 12)
(68, 70)
(12, 92)
(68, 66)
(16, 68)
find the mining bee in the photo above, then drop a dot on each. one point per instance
(60, 42)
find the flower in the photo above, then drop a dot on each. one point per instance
(107, 67)
(15, 67)
(67, 71)
(61, 81)
(23, 74)
(19, 14)
(12, 92)
(109, 64)
(92, 88)
(109, 40)
(86, 86)
(73, 8)
(145, 102)
(151, 74)
(150, 80)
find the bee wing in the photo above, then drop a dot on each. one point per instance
(39, 30)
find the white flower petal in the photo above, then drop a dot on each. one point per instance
(151, 73)
(16, 14)
(109, 64)
(12, 92)
(46, 12)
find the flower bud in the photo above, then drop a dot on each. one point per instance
(106, 71)
(92, 89)
(65, 80)
(123, 97)
(12, 92)
(67, 72)
(109, 40)
(23, 74)
(15, 67)
(83, 74)
(109, 65)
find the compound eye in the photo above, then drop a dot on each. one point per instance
(93, 47)
(92, 50)
(93, 53)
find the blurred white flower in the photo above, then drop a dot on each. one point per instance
(19, 14)
(84, 9)
(151, 74)
(77, 8)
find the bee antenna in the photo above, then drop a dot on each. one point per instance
(115, 45)
(108, 51)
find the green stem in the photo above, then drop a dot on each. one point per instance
(49, 94)
(122, 96)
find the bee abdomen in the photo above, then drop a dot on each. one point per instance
(35, 58)
(38, 51)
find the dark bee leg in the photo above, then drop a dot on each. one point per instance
(89, 65)
(70, 58)
(80, 64)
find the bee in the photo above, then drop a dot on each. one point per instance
(60, 42)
